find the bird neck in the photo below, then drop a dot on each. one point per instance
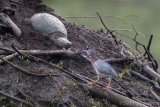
(94, 67)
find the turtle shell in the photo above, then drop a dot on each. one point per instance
(46, 24)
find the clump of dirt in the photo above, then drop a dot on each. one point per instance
(45, 91)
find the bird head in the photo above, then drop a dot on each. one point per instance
(90, 55)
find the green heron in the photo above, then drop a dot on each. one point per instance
(100, 66)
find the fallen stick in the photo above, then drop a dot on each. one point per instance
(118, 60)
(30, 99)
(145, 67)
(9, 57)
(16, 2)
(155, 95)
(25, 71)
(7, 20)
(142, 77)
(63, 53)
(15, 99)
(111, 96)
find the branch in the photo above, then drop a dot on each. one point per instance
(112, 97)
(7, 20)
(155, 84)
(9, 57)
(145, 67)
(27, 97)
(119, 60)
(149, 44)
(25, 71)
(15, 99)
(147, 50)
(108, 31)
(63, 53)
(155, 95)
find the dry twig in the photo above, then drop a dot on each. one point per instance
(15, 99)
(9, 57)
(112, 97)
(108, 30)
(155, 95)
(142, 77)
(25, 71)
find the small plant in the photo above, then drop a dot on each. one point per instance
(24, 60)
(60, 64)
(124, 71)
(94, 103)
(40, 69)
(4, 102)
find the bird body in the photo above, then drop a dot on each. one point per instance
(100, 66)
(51, 27)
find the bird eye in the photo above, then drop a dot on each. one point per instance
(84, 53)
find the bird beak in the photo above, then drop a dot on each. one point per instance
(85, 55)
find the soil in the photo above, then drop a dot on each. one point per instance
(42, 90)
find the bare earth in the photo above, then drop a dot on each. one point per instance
(42, 90)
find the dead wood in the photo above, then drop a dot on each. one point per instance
(26, 71)
(63, 53)
(142, 77)
(27, 97)
(16, 99)
(145, 67)
(111, 96)
(155, 95)
(7, 21)
(118, 60)
(9, 57)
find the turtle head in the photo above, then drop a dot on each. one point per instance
(60, 40)
(63, 42)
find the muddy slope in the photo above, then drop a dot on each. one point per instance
(43, 91)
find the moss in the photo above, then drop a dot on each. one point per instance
(6, 103)
(72, 105)
(24, 60)
(94, 103)
(40, 69)
(51, 104)
(60, 64)
(124, 72)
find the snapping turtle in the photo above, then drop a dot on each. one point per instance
(52, 28)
